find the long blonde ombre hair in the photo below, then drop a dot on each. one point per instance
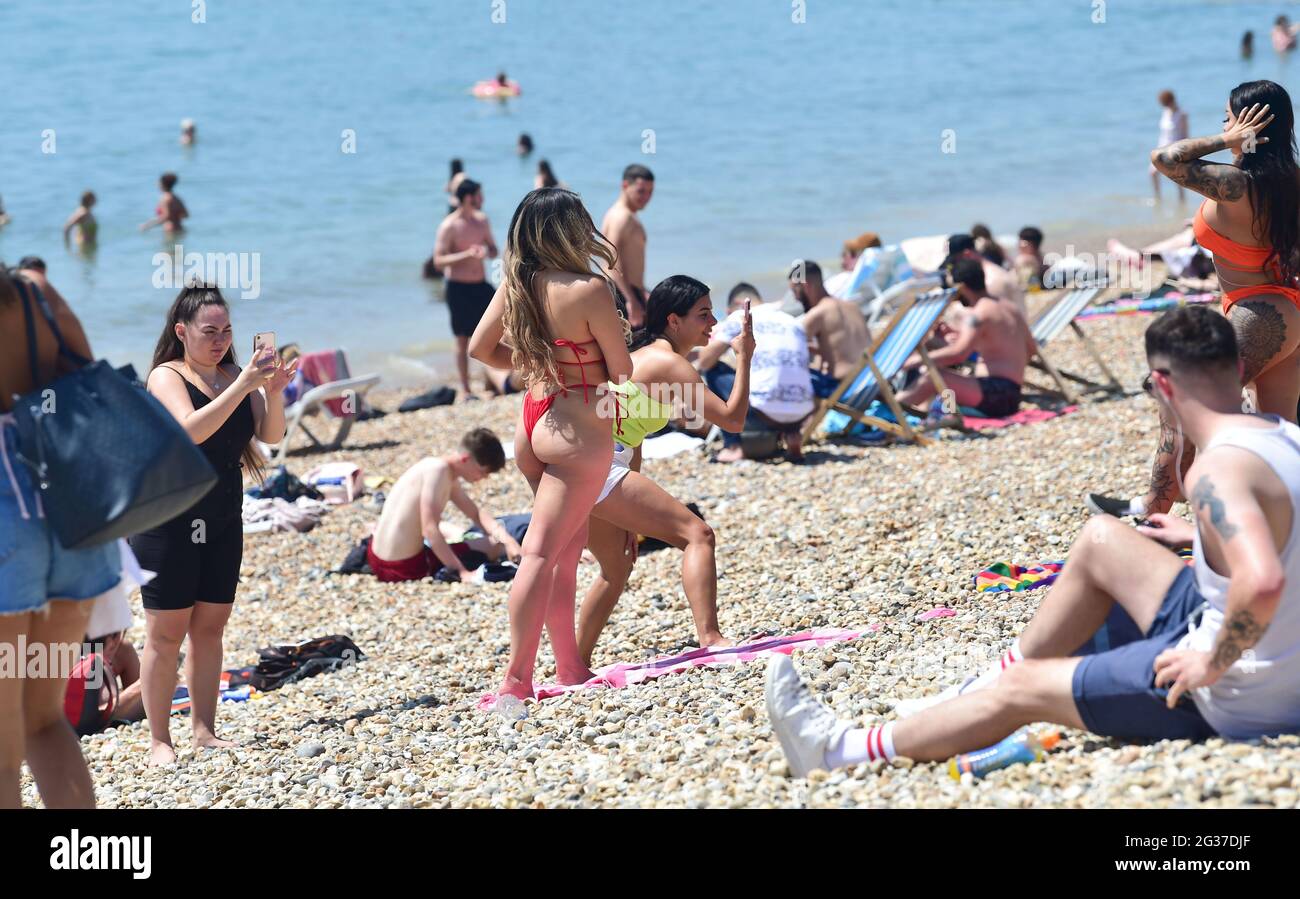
(550, 231)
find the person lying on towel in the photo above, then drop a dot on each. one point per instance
(997, 330)
(1215, 648)
(414, 507)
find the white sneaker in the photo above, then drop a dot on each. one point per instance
(804, 726)
(906, 708)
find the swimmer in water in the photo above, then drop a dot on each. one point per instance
(171, 211)
(187, 132)
(83, 220)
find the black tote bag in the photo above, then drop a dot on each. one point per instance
(109, 459)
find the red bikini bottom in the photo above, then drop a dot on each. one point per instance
(534, 410)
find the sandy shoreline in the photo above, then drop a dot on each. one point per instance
(864, 536)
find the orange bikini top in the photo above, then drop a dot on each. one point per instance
(1239, 256)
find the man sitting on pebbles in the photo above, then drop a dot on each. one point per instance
(414, 507)
(1220, 651)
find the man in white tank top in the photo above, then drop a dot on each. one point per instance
(1169, 651)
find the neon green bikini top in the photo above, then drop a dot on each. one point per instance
(639, 414)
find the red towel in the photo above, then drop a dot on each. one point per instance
(321, 368)
(1023, 417)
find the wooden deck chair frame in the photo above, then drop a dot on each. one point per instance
(1043, 362)
(901, 428)
(316, 398)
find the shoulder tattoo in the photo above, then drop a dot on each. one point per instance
(1203, 499)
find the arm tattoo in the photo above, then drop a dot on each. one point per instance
(1162, 479)
(1240, 632)
(1181, 162)
(1203, 498)
(1261, 334)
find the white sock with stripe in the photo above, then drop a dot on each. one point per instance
(861, 744)
(989, 677)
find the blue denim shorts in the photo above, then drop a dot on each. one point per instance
(1115, 690)
(34, 567)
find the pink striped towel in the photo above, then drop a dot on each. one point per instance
(1023, 417)
(622, 674)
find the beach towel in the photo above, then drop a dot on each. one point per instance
(1023, 417)
(321, 367)
(623, 674)
(263, 515)
(669, 444)
(235, 686)
(1147, 306)
(1007, 577)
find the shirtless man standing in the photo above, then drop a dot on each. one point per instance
(996, 330)
(835, 327)
(414, 509)
(464, 241)
(624, 230)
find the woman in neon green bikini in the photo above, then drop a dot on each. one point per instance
(679, 317)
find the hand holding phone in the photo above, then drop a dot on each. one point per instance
(743, 345)
(264, 352)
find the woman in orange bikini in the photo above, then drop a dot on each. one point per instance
(1250, 221)
(554, 322)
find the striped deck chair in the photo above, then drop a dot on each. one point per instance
(1051, 323)
(905, 335)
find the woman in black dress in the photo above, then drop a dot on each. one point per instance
(196, 555)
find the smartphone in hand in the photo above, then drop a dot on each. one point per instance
(263, 339)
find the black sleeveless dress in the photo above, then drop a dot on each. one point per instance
(196, 555)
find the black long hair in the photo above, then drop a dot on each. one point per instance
(191, 299)
(1272, 176)
(674, 295)
(548, 177)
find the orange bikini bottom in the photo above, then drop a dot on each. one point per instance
(1232, 297)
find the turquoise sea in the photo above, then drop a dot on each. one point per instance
(778, 129)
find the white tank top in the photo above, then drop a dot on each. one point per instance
(1260, 693)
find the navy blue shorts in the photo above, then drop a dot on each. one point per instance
(823, 384)
(1115, 690)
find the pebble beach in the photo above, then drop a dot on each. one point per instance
(863, 537)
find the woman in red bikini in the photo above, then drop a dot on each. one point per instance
(554, 322)
(1250, 221)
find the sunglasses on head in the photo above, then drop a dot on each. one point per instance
(1147, 384)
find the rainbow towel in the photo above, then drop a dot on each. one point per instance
(623, 674)
(1151, 305)
(1008, 577)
